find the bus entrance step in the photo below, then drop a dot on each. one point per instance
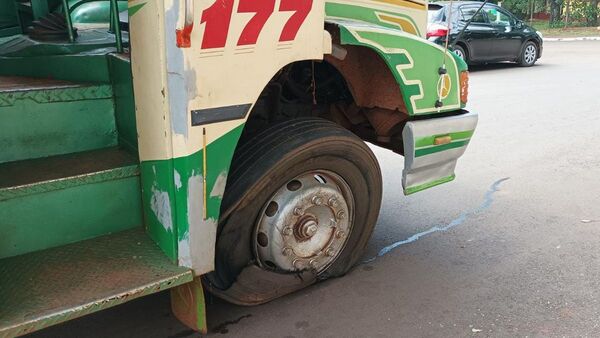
(48, 287)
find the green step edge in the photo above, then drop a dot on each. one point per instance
(65, 94)
(69, 182)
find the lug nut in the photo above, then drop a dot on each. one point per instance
(333, 202)
(287, 251)
(298, 212)
(298, 264)
(329, 252)
(313, 263)
(316, 200)
(287, 231)
(341, 214)
(340, 234)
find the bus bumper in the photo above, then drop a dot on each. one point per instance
(432, 148)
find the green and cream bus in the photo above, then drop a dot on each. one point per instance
(207, 145)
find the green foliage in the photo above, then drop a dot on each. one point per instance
(522, 8)
(587, 11)
(581, 12)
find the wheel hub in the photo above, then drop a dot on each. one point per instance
(305, 224)
(306, 228)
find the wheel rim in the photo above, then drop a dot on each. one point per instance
(305, 224)
(459, 53)
(530, 54)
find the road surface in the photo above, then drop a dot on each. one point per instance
(518, 254)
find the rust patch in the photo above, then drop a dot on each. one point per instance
(369, 79)
(187, 304)
(386, 122)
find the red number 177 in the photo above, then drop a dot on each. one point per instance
(217, 18)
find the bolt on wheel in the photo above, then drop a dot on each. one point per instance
(305, 224)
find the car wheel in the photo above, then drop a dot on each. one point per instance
(529, 54)
(303, 196)
(458, 50)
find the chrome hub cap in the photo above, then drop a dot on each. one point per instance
(530, 54)
(305, 224)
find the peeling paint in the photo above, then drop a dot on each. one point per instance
(176, 82)
(200, 230)
(161, 206)
(183, 247)
(190, 78)
(177, 179)
(219, 188)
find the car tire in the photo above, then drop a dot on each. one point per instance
(458, 50)
(261, 173)
(529, 54)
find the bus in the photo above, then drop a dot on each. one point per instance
(207, 146)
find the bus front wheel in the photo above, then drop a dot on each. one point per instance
(303, 197)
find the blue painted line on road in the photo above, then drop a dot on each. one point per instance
(487, 202)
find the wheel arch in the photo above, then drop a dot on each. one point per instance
(465, 46)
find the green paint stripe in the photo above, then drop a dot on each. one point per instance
(69, 182)
(412, 190)
(437, 149)
(133, 9)
(429, 140)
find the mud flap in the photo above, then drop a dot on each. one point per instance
(432, 148)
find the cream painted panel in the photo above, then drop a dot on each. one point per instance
(147, 60)
(233, 75)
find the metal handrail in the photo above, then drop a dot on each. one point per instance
(113, 18)
(69, 22)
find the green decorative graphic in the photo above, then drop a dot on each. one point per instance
(135, 8)
(412, 190)
(429, 140)
(415, 64)
(367, 14)
(437, 149)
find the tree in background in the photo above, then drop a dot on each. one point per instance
(593, 14)
(562, 12)
(555, 9)
(524, 9)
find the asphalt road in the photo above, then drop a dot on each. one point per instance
(520, 256)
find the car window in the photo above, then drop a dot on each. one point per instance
(498, 16)
(436, 15)
(468, 12)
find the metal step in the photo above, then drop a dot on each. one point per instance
(48, 287)
(45, 117)
(11, 84)
(57, 200)
(40, 175)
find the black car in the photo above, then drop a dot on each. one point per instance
(493, 34)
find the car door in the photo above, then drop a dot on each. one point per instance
(506, 44)
(479, 34)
